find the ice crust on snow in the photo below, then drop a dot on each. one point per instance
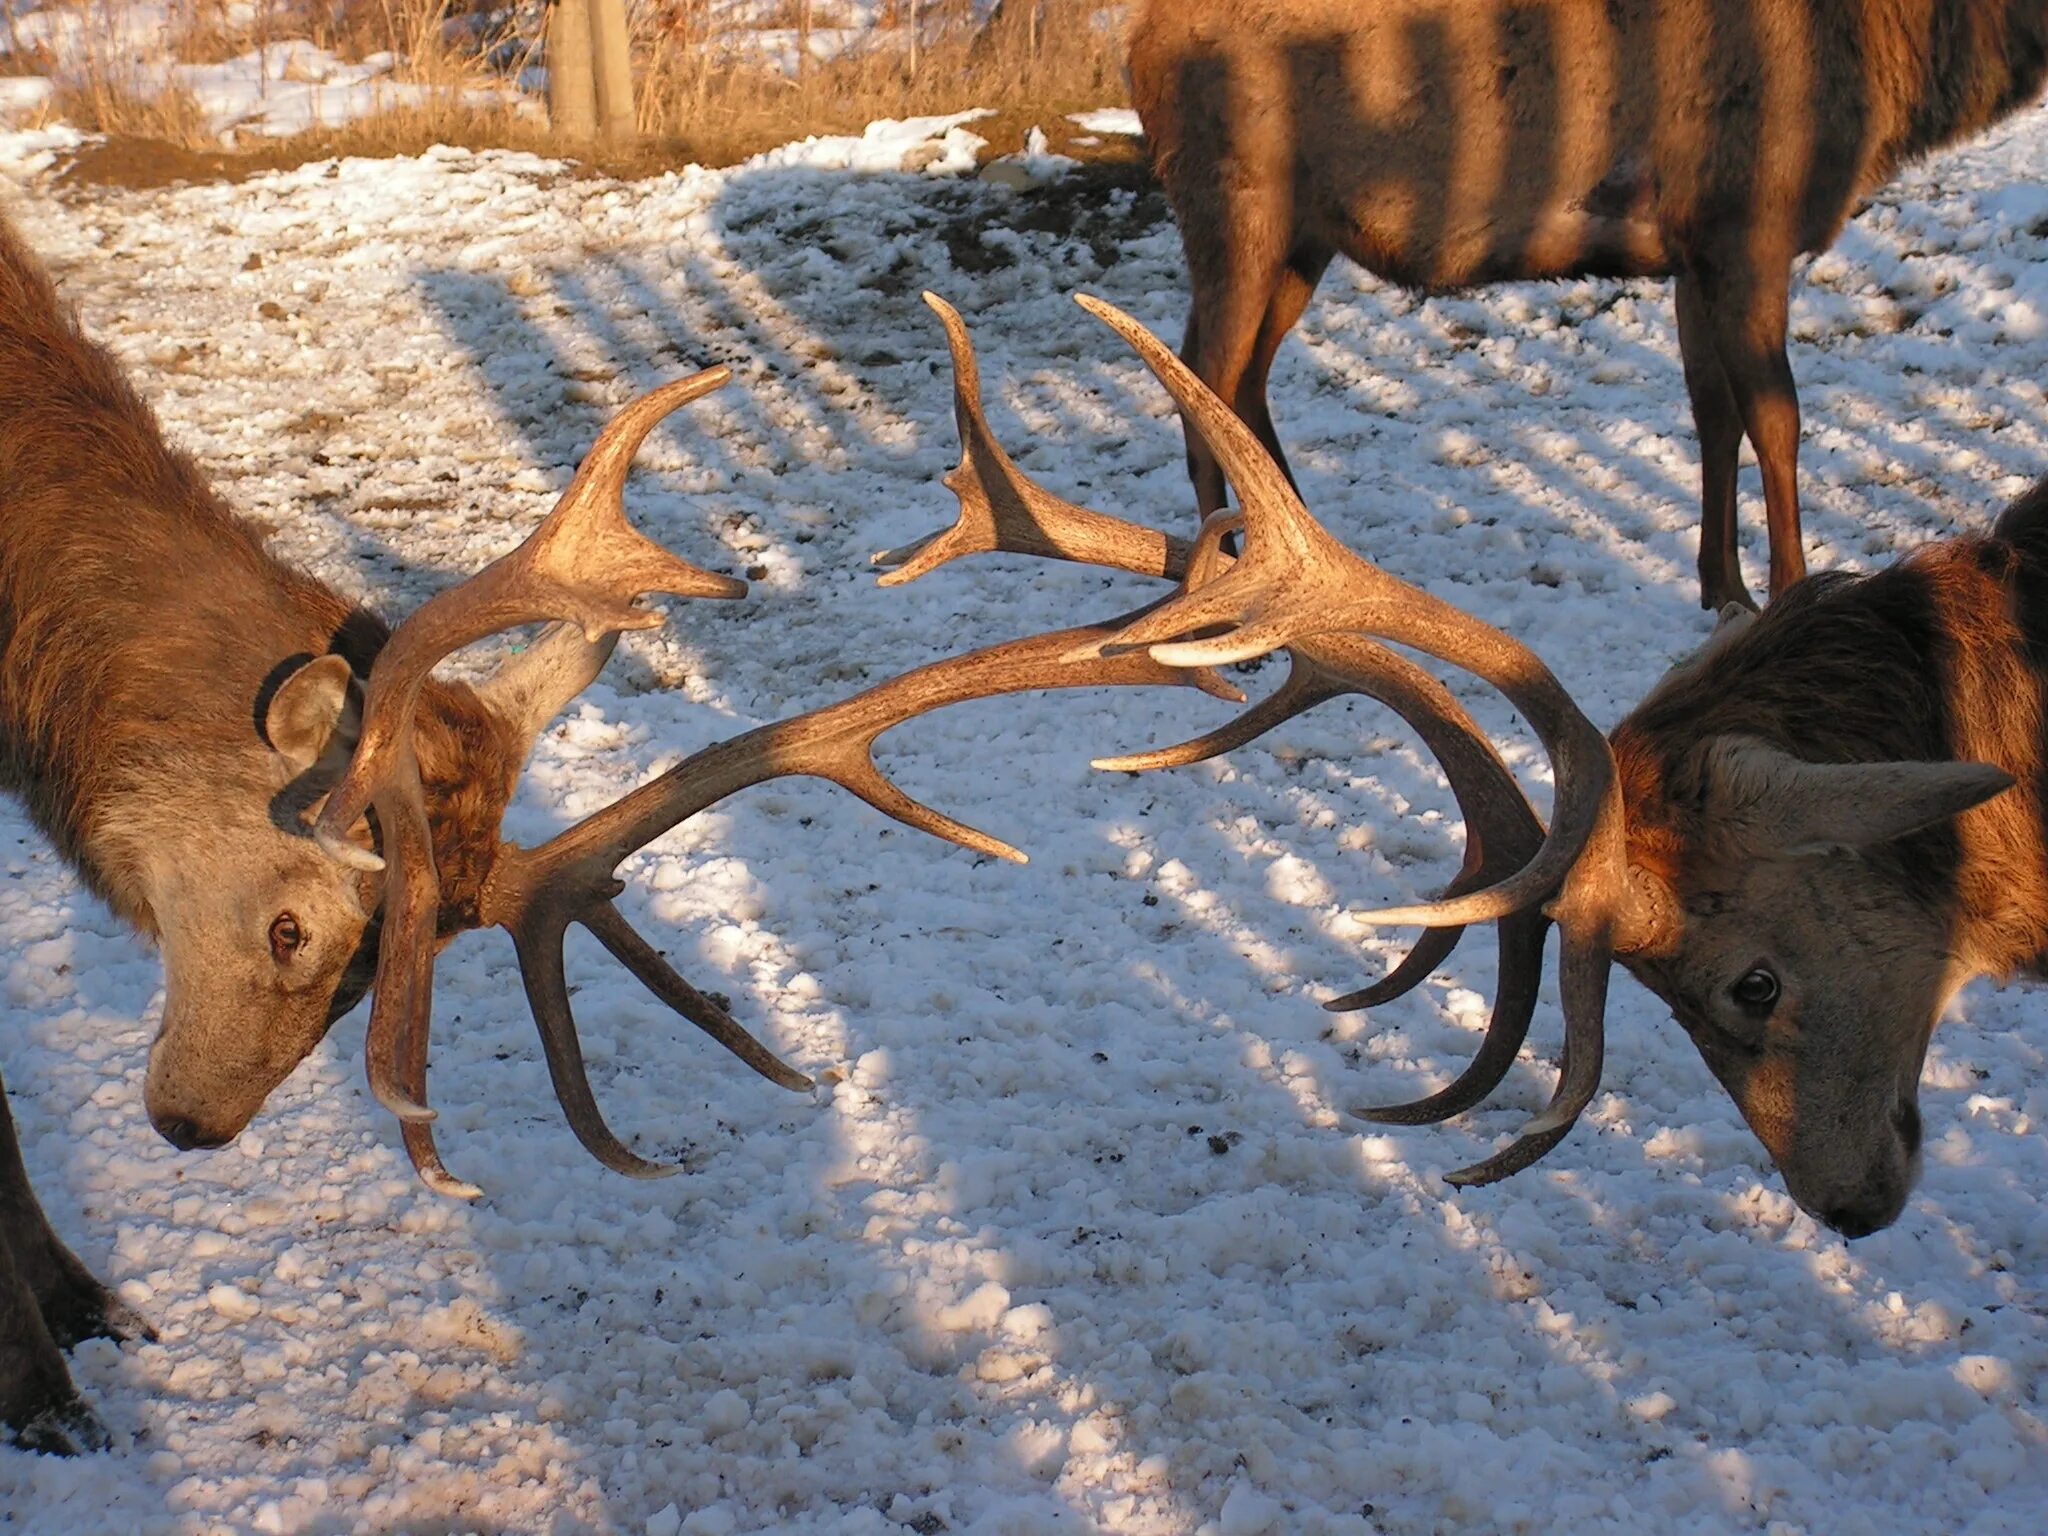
(1074, 1233)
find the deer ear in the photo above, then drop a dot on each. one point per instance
(316, 710)
(536, 684)
(1775, 805)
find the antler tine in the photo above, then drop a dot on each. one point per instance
(539, 947)
(1514, 1005)
(611, 929)
(1002, 509)
(403, 1000)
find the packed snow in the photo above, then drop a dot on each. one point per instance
(1075, 1234)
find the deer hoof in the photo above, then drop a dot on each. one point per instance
(64, 1428)
(1715, 598)
(91, 1311)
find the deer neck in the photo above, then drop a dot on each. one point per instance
(469, 766)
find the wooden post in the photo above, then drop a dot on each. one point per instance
(572, 90)
(612, 46)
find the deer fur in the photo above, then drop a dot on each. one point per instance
(1922, 671)
(165, 721)
(1448, 143)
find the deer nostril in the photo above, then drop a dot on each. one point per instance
(186, 1136)
(1907, 1118)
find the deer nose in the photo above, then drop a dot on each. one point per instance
(1850, 1221)
(185, 1135)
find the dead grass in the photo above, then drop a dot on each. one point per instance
(112, 103)
(706, 88)
(706, 96)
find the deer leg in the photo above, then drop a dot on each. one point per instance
(74, 1305)
(1292, 290)
(1749, 316)
(1222, 337)
(1719, 425)
(39, 1408)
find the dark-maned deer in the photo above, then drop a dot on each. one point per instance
(186, 718)
(1798, 840)
(1447, 143)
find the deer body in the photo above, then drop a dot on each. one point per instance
(1447, 143)
(150, 722)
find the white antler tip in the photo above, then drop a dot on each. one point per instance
(339, 848)
(441, 1182)
(1550, 1120)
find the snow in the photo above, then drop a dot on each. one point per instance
(1117, 120)
(939, 146)
(1074, 1233)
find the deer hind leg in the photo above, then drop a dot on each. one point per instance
(1747, 313)
(1232, 299)
(39, 1408)
(1291, 292)
(1719, 424)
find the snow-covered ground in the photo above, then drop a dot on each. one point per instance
(1080, 1239)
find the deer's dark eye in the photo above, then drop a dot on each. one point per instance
(285, 937)
(1757, 993)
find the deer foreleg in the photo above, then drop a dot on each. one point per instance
(39, 1408)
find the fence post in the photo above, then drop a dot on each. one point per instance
(572, 94)
(612, 45)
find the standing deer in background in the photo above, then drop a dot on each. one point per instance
(206, 734)
(1805, 840)
(1444, 144)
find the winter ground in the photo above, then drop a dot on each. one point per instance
(1081, 1238)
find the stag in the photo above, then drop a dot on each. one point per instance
(1444, 144)
(1804, 840)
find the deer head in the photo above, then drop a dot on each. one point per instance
(1746, 887)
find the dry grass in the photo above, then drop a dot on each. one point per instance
(708, 93)
(704, 88)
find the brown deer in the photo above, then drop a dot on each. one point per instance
(1805, 839)
(260, 778)
(1444, 144)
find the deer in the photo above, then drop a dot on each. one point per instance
(1445, 145)
(269, 783)
(1804, 840)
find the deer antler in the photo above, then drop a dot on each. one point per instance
(1295, 581)
(585, 565)
(1001, 509)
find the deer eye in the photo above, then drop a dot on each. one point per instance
(1757, 992)
(285, 937)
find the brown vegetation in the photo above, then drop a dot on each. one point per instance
(709, 93)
